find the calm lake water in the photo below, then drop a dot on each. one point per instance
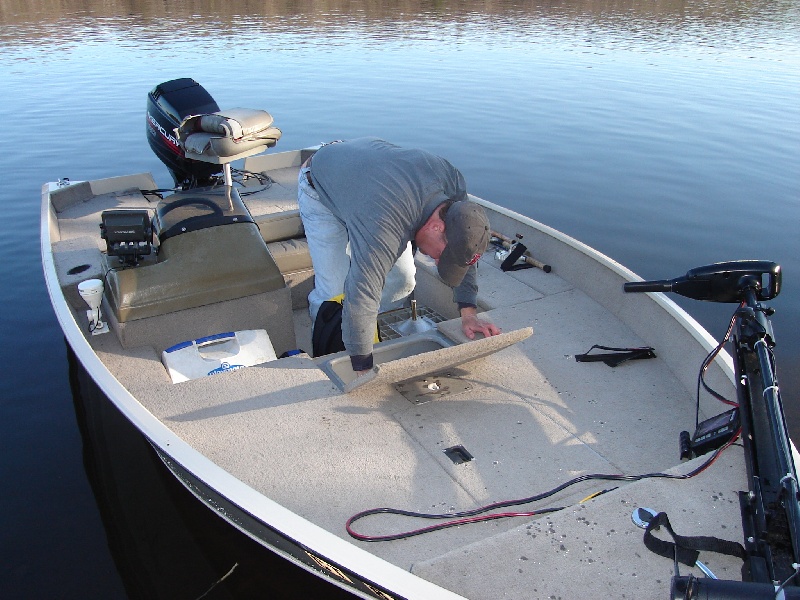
(664, 133)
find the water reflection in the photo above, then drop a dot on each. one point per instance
(651, 21)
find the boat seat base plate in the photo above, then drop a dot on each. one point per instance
(431, 387)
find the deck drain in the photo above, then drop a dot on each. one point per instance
(458, 454)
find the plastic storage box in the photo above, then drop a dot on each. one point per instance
(218, 353)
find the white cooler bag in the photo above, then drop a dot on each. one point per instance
(217, 354)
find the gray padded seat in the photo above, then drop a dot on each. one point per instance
(285, 237)
(291, 255)
(228, 134)
(279, 226)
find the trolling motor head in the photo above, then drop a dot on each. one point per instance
(720, 282)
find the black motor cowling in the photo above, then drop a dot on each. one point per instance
(167, 105)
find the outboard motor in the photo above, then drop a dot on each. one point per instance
(168, 104)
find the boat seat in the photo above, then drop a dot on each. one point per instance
(279, 226)
(227, 135)
(286, 239)
(291, 255)
(284, 235)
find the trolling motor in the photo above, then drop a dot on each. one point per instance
(720, 282)
(771, 506)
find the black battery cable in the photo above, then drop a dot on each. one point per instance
(479, 514)
(483, 513)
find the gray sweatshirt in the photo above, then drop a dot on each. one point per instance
(383, 194)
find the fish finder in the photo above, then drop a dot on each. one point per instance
(710, 435)
(128, 234)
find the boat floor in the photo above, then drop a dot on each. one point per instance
(532, 418)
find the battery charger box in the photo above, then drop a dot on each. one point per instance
(216, 354)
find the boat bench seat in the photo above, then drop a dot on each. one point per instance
(291, 255)
(284, 235)
(207, 281)
(279, 226)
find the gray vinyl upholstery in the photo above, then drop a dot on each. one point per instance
(227, 134)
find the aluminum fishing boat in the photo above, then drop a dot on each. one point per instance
(551, 461)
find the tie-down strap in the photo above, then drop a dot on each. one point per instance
(686, 549)
(616, 356)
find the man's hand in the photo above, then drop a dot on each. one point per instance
(471, 324)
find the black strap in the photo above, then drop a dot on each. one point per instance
(617, 356)
(686, 549)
